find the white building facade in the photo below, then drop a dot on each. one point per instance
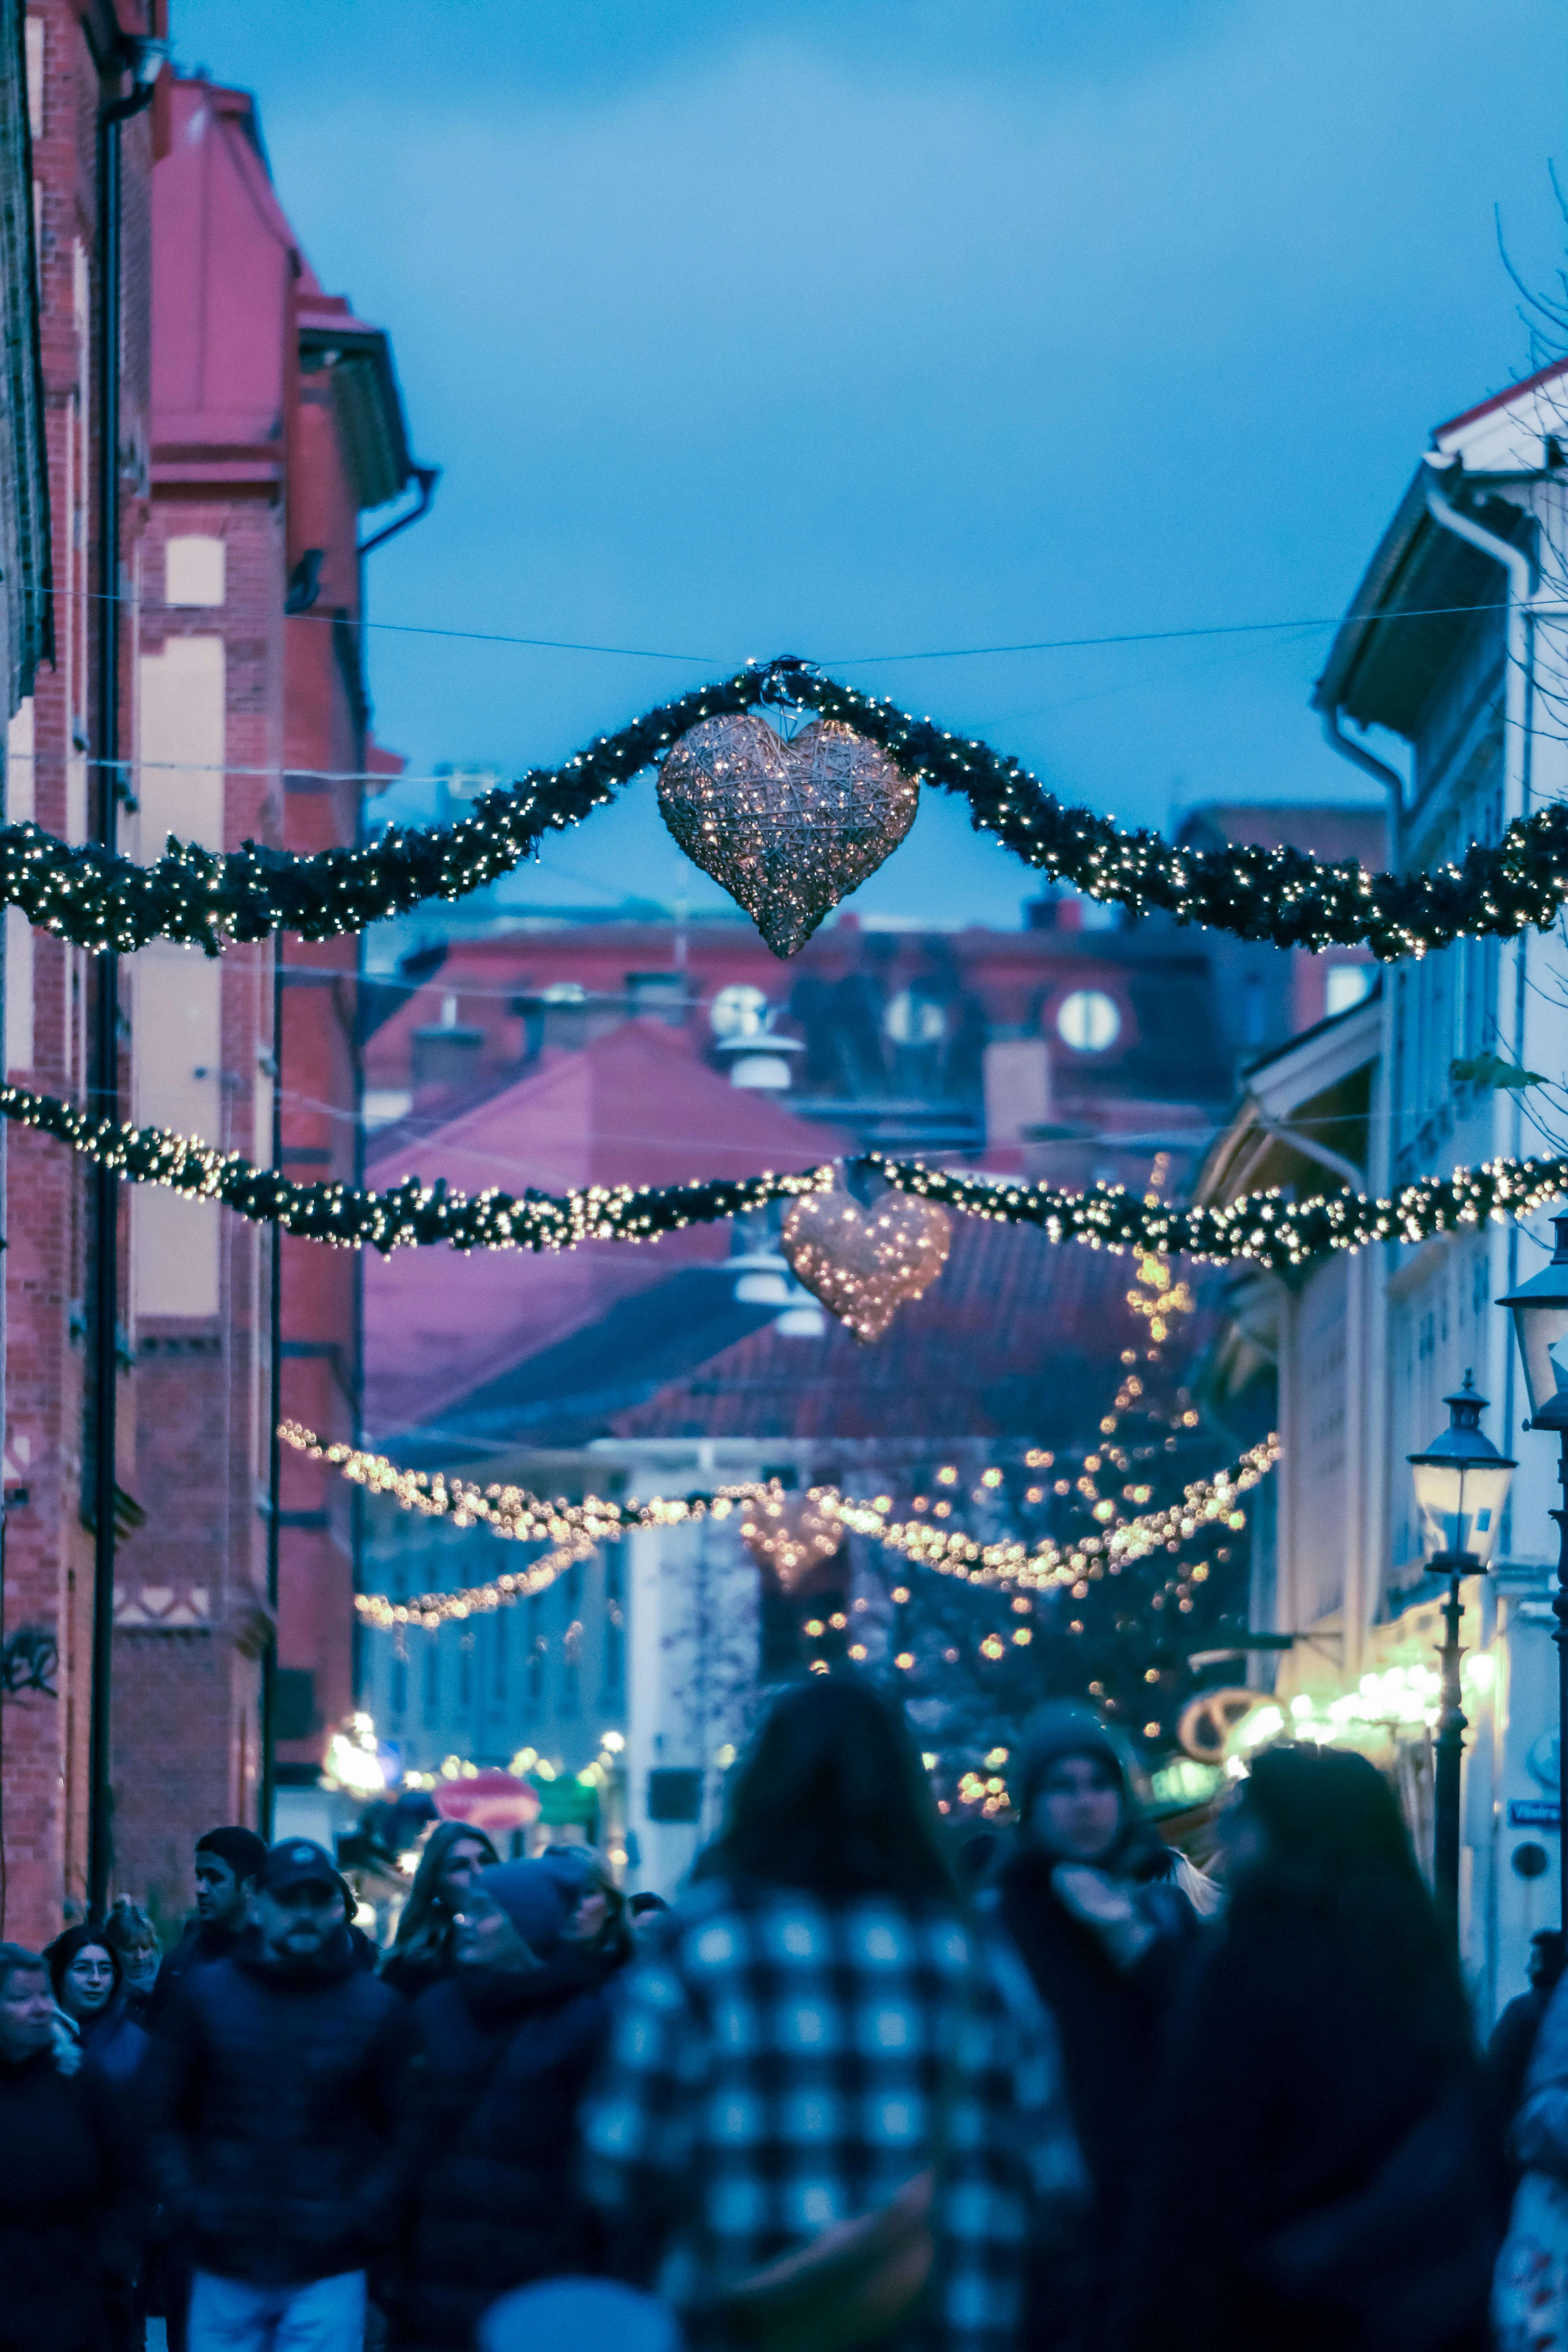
(1448, 681)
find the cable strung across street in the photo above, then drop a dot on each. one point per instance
(1260, 1229)
(211, 899)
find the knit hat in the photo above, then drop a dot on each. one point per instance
(533, 1899)
(571, 1867)
(1065, 1726)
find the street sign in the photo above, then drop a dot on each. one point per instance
(1533, 1813)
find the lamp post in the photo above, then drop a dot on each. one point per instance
(1539, 1311)
(1460, 1482)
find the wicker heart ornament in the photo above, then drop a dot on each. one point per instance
(787, 828)
(864, 1263)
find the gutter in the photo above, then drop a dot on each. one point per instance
(1519, 695)
(1522, 583)
(1389, 778)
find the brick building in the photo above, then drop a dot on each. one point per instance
(276, 422)
(76, 62)
(258, 420)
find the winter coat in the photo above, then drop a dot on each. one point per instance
(115, 2041)
(781, 2064)
(67, 2215)
(1315, 2177)
(500, 2063)
(203, 1943)
(1110, 2022)
(1509, 2051)
(412, 1975)
(269, 2092)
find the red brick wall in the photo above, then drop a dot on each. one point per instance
(48, 1573)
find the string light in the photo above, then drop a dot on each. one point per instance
(205, 898)
(1261, 1228)
(577, 1528)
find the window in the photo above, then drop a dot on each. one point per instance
(1345, 984)
(194, 570)
(1089, 1021)
(432, 1678)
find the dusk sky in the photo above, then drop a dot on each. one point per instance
(868, 328)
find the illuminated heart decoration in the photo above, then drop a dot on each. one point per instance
(787, 828)
(864, 1263)
(791, 1534)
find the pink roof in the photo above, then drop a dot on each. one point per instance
(225, 260)
(634, 1108)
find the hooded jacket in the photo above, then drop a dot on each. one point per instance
(502, 2061)
(269, 2092)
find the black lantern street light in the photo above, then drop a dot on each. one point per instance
(1461, 1481)
(1539, 1311)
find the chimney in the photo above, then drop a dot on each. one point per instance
(1017, 1088)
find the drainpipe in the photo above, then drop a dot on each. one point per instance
(1518, 722)
(1389, 778)
(1520, 570)
(143, 57)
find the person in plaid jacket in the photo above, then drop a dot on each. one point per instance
(816, 2024)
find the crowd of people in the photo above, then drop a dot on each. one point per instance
(1075, 2096)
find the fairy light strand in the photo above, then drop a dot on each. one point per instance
(212, 899)
(1261, 1228)
(576, 1529)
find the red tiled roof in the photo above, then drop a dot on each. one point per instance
(1018, 1338)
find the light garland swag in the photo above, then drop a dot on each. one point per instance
(1262, 1228)
(209, 899)
(576, 1529)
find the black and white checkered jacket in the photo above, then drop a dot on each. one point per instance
(778, 2065)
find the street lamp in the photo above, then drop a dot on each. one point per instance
(1460, 1483)
(1539, 1310)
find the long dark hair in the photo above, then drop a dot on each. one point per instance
(831, 1796)
(1334, 1841)
(426, 1923)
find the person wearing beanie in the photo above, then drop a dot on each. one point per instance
(1087, 1901)
(504, 2048)
(599, 1920)
(227, 1860)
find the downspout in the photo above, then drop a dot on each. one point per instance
(1518, 720)
(425, 478)
(1389, 778)
(143, 59)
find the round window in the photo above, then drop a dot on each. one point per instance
(912, 1020)
(738, 1011)
(1089, 1021)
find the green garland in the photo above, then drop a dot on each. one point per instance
(1282, 894)
(1262, 1228)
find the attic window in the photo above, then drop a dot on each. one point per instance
(1089, 1021)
